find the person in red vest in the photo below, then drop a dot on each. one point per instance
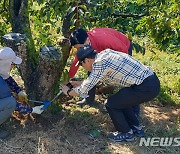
(100, 39)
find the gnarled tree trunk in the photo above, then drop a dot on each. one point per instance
(40, 79)
(40, 70)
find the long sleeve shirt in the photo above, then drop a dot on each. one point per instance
(13, 85)
(115, 68)
(15, 88)
(101, 39)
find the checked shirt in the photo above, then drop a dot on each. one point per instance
(114, 68)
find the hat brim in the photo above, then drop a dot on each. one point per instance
(17, 60)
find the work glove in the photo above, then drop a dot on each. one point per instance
(22, 96)
(37, 109)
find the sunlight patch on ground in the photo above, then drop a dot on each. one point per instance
(154, 114)
(119, 148)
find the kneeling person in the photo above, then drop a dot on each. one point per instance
(8, 103)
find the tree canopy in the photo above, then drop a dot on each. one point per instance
(157, 19)
(50, 22)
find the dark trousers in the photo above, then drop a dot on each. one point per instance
(136, 108)
(92, 92)
(120, 105)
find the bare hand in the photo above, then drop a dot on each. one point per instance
(64, 88)
(22, 96)
(76, 83)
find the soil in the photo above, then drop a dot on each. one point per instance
(70, 130)
(61, 134)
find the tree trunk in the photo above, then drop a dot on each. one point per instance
(40, 71)
(65, 42)
(41, 80)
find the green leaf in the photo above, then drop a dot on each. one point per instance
(83, 7)
(71, 10)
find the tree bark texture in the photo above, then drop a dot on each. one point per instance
(40, 70)
(41, 80)
(47, 74)
(65, 42)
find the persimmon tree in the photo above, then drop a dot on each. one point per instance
(50, 22)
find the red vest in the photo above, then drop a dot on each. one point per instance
(101, 39)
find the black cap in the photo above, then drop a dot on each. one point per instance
(79, 36)
(85, 52)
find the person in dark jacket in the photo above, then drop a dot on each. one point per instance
(8, 103)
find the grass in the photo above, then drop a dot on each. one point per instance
(159, 122)
(167, 68)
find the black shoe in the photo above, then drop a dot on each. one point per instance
(4, 134)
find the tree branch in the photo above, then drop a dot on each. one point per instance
(131, 15)
(146, 13)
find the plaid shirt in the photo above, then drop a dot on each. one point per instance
(115, 68)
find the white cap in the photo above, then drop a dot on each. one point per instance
(8, 54)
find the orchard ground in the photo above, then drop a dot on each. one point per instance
(69, 131)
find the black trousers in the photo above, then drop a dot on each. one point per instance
(120, 105)
(92, 92)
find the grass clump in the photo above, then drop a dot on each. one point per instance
(167, 68)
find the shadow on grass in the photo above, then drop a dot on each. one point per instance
(159, 121)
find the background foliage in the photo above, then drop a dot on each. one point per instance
(143, 21)
(159, 20)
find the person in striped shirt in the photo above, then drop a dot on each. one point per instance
(100, 39)
(140, 84)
